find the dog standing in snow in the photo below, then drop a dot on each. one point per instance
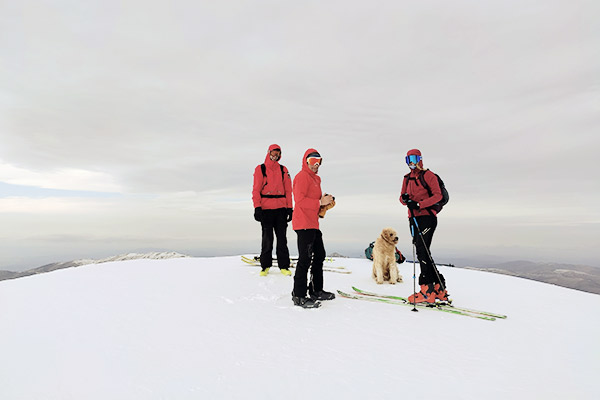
(384, 257)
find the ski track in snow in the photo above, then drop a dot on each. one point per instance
(194, 328)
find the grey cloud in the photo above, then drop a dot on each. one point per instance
(186, 96)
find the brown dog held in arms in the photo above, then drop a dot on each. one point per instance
(384, 257)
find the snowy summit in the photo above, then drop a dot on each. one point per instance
(212, 328)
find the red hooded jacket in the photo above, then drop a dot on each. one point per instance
(417, 192)
(307, 197)
(272, 185)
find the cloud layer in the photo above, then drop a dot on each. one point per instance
(172, 105)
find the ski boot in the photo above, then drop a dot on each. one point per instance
(286, 271)
(426, 295)
(441, 294)
(264, 272)
(322, 295)
(306, 302)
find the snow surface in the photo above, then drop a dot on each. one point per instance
(212, 328)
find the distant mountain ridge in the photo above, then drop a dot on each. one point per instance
(579, 277)
(4, 275)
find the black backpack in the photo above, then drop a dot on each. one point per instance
(263, 168)
(437, 207)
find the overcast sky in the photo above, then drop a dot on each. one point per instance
(136, 125)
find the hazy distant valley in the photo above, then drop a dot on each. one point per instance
(580, 277)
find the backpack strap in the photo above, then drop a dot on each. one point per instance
(409, 178)
(425, 184)
(429, 192)
(263, 168)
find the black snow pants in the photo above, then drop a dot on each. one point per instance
(426, 225)
(311, 254)
(274, 221)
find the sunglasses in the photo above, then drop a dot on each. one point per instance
(413, 159)
(312, 161)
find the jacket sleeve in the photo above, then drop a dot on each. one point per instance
(287, 184)
(404, 187)
(436, 192)
(301, 188)
(257, 187)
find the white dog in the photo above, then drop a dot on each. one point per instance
(384, 257)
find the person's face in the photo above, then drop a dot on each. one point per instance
(413, 161)
(314, 163)
(275, 155)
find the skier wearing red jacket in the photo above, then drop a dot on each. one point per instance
(308, 199)
(272, 198)
(423, 221)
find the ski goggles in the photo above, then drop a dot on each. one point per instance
(276, 153)
(413, 159)
(314, 161)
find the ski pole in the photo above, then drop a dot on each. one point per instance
(412, 232)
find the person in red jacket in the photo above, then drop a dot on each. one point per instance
(272, 198)
(308, 199)
(423, 221)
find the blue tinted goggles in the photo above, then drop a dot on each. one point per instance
(413, 159)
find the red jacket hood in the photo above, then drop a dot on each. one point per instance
(307, 197)
(304, 164)
(268, 162)
(416, 152)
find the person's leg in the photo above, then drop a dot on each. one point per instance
(266, 253)
(280, 226)
(426, 227)
(316, 271)
(306, 238)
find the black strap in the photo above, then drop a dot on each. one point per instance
(263, 168)
(425, 184)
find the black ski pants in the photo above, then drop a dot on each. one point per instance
(274, 221)
(311, 254)
(422, 233)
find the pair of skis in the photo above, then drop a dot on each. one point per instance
(403, 301)
(294, 259)
(255, 261)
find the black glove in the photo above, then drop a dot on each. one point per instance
(412, 205)
(258, 214)
(289, 214)
(405, 197)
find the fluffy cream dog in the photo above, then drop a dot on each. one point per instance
(384, 257)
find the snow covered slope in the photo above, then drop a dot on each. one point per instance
(212, 328)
